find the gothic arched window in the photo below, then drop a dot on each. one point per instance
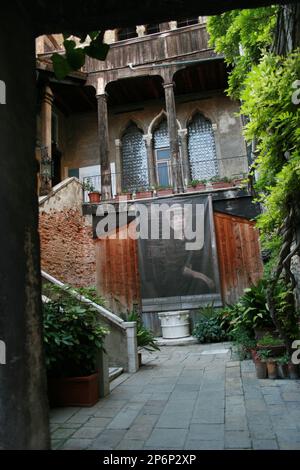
(202, 148)
(162, 154)
(134, 160)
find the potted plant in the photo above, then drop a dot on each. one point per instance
(261, 364)
(94, 196)
(164, 190)
(72, 337)
(293, 371)
(272, 368)
(125, 195)
(196, 185)
(282, 366)
(275, 345)
(145, 338)
(122, 197)
(143, 193)
(244, 342)
(220, 182)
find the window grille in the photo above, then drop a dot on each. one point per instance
(161, 136)
(134, 160)
(202, 149)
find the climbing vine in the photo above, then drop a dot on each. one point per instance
(269, 88)
(242, 36)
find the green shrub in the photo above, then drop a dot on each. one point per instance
(249, 312)
(73, 335)
(282, 360)
(91, 293)
(269, 340)
(244, 341)
(145, 338)
(264, 354)
(208, 328)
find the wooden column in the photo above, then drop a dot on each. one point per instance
(177, 175)
(46, 141)
(104, 147)
(118, 143)
(150, 158)
(183, 135)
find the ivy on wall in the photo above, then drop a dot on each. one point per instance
(268, 86)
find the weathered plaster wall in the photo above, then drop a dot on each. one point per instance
(67, 247)
(81, 141)
(81, 147)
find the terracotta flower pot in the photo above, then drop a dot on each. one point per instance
(143, 194)
(74, 391)
(254, 355)
(95, 197)
(199, 187)
(261, 369)
(221, 184)
(293, 371)
(165, 192)
(283, 371)
(272, 369)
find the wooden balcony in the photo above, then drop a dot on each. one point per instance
(186, 43)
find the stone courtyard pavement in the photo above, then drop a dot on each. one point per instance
(188, 397)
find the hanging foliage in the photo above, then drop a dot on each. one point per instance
(269, 88)
(77, 48)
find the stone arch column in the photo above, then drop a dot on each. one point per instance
(118, 144)
(183, 136)
(148, 139)
(178, 185)
(46, 140)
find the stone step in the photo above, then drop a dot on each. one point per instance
(176, 341)
(115, 372)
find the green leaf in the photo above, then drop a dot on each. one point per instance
(75, 57)
(97, 51)
(61, 66)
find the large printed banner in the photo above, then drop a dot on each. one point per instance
(178, 263)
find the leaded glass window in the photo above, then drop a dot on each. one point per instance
(161, 135)
(202, 149)
(163, 156)
(134, 160)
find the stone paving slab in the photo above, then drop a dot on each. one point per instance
(193, 397)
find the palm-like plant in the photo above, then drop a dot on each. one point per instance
(145, 338)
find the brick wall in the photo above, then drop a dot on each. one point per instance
(67, 247)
